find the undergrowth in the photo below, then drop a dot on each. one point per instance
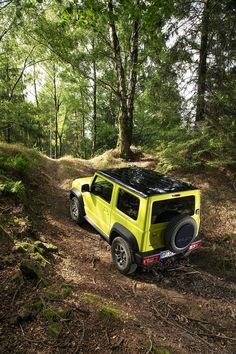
(190, 149)
(16, 163)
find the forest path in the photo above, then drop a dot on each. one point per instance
(183, 308)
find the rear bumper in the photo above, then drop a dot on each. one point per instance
(147, 259)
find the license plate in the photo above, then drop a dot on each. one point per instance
(166, 254)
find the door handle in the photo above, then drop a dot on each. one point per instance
(106, 211)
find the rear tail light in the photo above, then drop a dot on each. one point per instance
(151, 260)
(195, 245)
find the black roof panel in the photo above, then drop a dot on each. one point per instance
(145, 182)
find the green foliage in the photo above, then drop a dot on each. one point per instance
(193, 149)
(17, 163)
(47, 83)
(10, 186)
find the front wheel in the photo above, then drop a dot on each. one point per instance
(76, 210)
(122, 257)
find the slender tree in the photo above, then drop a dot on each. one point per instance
(126, 92)
(202, 66)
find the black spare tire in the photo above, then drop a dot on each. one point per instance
(179, 233)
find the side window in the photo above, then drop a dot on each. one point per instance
(102, 188)
(128, 204)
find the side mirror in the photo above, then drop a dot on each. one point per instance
(85, 188)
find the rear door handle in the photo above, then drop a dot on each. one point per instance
(106, 211)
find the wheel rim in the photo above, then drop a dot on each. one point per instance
(74, 209)
(120, 256)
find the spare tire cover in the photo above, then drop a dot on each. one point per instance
(179, 233)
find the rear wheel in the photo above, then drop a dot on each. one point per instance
(76, 210)
(122, 257)
(180, 233)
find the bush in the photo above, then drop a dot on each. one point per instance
(17, 163)
(205, 146)
(7, 185)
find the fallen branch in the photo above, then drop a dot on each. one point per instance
(16, 292)
(33, 340)
(118, 344)
(134, 288)
(193, 335)
(151, 346)
(197, 320)
(107, 337)
(125, 291)
(220, 336)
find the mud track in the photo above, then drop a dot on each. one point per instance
(183, 308)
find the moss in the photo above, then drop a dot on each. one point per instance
(45, 247)
(52, 295)
(109, 312)
(64, 313)
(67, 285)
(54, 329)
(32, 270)
(23, 247)
(20, 249)
(90, 299)
(41, 259)
(37, 305)
(67, 292)
(52, 314)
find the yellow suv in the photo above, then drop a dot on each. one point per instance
(145, 216)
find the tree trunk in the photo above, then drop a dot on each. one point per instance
(202, 67)
(126, 95)
(94, 145)
(56, 135)
(8, 133)
(35, 89)
(57, 104)
(50, 139)
(83, 124)
(133, 75)
(60, 145)
(123, 141)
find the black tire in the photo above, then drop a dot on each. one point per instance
(180, 233)
(122, 256)
(76, 210)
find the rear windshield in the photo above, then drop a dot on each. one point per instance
(165, 210)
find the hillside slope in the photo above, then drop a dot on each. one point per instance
(79, 303)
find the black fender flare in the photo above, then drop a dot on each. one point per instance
(119, 230)
(76, 193)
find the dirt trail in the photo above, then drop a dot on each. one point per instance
(182, 308)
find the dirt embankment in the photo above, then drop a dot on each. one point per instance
(86, 305)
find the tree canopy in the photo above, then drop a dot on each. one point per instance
(81, 77)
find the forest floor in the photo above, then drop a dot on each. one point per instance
(87, 306)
